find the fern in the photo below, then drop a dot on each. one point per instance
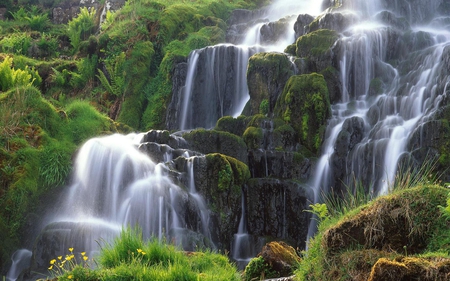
(116, 85)
(10, 77)
(81, 27)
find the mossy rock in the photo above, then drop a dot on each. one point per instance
(232, 125)
(398, 222)
(304, 105)
(211, 141)
(267, 74)
(276, 259)
(316, 47)
(220, 178)
(253, 137)
(411, 268)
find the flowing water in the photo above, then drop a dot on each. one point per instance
(388, 91)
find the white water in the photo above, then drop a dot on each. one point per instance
(209, 93)
(408, 95)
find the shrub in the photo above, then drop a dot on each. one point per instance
(81, 27)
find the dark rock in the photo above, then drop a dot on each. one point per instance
(178, 83)
(211, 141)
(267, 74)
(275, 209)
(302, 21)
(279, 164)
(272, 32)
(334, 21)
(391, 20)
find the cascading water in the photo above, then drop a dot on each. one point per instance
(216, 81)
(389, 87)
(115, 186)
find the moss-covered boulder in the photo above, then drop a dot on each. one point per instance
(399, 222)
(411, 268)
(267, 74)
(316, 47)
(304, 104)
(211, 141)
(276, 259)
(232, 125)
(220, 178)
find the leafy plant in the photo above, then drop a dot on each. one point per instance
(10, 77)
(114, 69)
(81, 27)
(38, 22)
(17, 43)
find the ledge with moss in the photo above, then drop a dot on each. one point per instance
(390, 238)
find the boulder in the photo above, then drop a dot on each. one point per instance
(305, 105)
(303, 20)
(267, 74)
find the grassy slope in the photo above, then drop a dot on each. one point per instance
(42, 124)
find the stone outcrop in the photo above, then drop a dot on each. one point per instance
(275, 209)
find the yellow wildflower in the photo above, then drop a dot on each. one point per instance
(139, 250)
(70, 277)
(71, 249)
(85, 258)
(52, 261)
(83, 253)
(60, 257)
(50, 268)
(143, 253)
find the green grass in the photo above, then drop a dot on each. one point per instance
(128, 257)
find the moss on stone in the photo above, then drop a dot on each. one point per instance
(266, 75)
(232, 125)
(304, 104)
(211, 141)
(316, 43)
(253, 137)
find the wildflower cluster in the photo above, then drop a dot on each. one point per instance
(61, 265)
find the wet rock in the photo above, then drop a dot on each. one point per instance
(391, 20)
(267, 74)
(317, 48)
(211, 141)
(300, 25)
(274, 31)
(68, 9)
(334, 21)
(275, 209)
(304, 104)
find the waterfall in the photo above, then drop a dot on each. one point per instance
(216, 81)
(410, 87)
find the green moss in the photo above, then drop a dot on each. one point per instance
(258, 269)
(316, 43)
(253, 137)
(304, 104)
(232, 125)
(359, 247)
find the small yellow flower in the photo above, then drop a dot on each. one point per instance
(70, 249)
(143, 253)
(85, 258)
(139, 250)
(60, 257)
(52, 261)
(50, 268)
(70, 277)
(83, 253)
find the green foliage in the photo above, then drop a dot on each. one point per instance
(38, 22)
(48, 45)
(264, 107)
(86, 72)
(130, 258)
(320, 210)
(17, 43)
(56, 163)
(257, 269)
(81, 27)
(115, 71)
(316, 43)
(84, 122)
